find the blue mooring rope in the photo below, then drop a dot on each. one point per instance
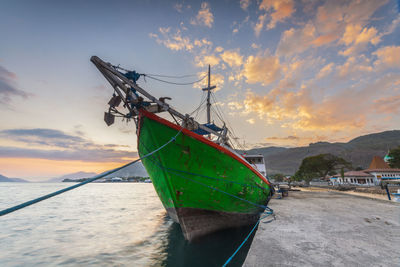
(36, 200)
(268, 213)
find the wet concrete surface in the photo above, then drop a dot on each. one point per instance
(328, 229)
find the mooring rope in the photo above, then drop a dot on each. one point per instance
(36, 200)
(268, 213)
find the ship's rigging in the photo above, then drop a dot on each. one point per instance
(133, 97)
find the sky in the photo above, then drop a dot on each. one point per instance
(288, 73)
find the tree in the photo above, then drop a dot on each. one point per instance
(319, 166)
(394, 158)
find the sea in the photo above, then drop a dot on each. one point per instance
(104, 224)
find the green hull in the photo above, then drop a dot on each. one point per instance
(203, 186)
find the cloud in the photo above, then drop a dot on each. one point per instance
(323, 40)
(260, 24)
(204, 16)
(244, 4)
(335, 20)
(388, 105)
(90, 155)
(178, 7)
(347, 110)
(202, 42)
(290, 137)
(173, 41)
(357, 39)
(387, 57)
(48, 137)
(354, 67)
(232, 58)
(251, 121)
(282, 9)
(8, 88)
(295, 41)
(205, 60)
(326, 70)
(334, 16)
(263, 69)
(219, 49)
(56, 145)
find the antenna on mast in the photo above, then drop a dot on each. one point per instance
(208, 89)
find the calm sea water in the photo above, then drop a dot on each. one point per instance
(109, 224)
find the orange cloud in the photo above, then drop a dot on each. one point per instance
(324, 39)
(262, 69)
(173, 41)
(388, 57)
(232, 58)
(260, 24)
(244, 4)
(205, 60)
(294, 41)
(354, 67)
(202, 42)
(326, 70)
(333, 20)
(299, 110)
(204, 16)
(282, 9)
(357, 39)
(388, 105)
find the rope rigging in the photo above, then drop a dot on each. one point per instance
(153, 76)
(175, 83)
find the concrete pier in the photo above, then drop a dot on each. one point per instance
(328, 229)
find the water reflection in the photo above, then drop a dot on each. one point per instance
(211, 250)
(104, 225)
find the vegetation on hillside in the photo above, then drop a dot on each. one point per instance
(394, 160)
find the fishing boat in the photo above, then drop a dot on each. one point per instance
(204, 184)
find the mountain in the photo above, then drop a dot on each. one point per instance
(136, 169)
(75, 175)
(358, 151)
(6, 179)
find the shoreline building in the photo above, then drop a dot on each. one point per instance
(377, 170)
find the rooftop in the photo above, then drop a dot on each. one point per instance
(378, 163)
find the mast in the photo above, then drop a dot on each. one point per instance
(208, 89)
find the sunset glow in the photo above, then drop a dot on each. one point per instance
(288, 73)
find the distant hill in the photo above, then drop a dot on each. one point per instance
(17, 180)
(358, 151)
(75, 175)
(136, 169)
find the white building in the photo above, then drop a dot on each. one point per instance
(353, 177)
(378, 170)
